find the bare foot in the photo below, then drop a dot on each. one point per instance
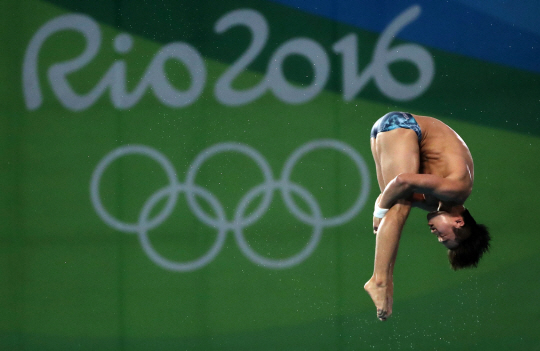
(382, 297)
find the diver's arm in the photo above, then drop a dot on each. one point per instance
(406, 184)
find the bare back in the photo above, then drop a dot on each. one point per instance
(443, 153)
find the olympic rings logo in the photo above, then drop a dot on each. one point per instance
(241, 220)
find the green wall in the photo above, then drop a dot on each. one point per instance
(259, 236)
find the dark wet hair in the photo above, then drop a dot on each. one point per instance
(471, 249)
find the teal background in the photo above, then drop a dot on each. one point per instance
(68, 281)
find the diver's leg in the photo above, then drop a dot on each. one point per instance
(398, 152)
(380, 179)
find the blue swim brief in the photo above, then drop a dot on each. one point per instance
(393, 120)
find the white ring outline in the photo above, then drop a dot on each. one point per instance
(181, 266)
(254, 256)
(339, 146)
(228, 147)
(111, 157)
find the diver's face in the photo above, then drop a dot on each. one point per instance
(442, 224)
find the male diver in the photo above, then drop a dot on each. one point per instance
(421, 162)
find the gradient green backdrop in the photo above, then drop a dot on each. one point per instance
(69, 281)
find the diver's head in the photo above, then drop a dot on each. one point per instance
(465, 239)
